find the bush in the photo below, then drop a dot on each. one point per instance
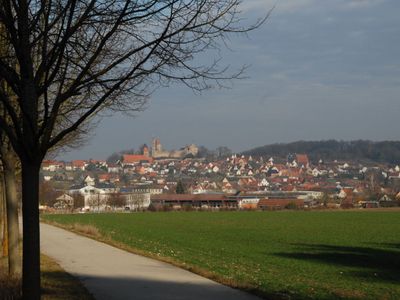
(187, 207)
(291, 205)
(152, 207)
(86, 229)
(167, 207)
(346, 205)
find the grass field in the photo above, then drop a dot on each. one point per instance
(281, 255)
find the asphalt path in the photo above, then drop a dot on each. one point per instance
(110, 273)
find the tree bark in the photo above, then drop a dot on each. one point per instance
(14, 262)
(31, 233)
(3, 216)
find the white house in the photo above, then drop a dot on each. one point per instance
(315, 172)
(137, 201)
(342, 194)
(95, 198)
(113, 168)
(47, 176)
(248, 203)
(89, 180)
(215, 169)
(65, 201)
(264, 182)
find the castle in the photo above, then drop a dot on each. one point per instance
(157, 150)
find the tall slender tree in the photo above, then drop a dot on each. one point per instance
(9, 165)
(70, 59)
(3, 218)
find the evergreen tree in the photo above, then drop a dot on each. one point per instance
(180, 188)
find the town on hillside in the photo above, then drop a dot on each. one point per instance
(157, 179)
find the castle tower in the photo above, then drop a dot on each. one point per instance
(156, 146)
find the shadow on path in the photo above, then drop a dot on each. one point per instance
(370, 263)
(145, 289)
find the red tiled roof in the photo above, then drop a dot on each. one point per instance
(135, 158)
(291, 172)
(95, 161)
(52, 162)
(188, 197)
(279, 166)
(272, 202)
(104, 176)
(288, 188)
(302, 159)
(78, 163)
(348, 191)
(308, 186)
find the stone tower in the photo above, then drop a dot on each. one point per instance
(156, 147)
(145, 150)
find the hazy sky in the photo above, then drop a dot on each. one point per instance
(318, 70)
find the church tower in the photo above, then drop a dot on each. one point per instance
(156, 147)
(146, 150)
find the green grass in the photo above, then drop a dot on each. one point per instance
(287, 254)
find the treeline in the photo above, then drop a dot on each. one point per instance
(360, 150)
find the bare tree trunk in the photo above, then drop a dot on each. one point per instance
(31, 234)
(5, 235)
(14, 262)
(2, 217)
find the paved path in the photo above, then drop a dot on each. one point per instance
(110, 273)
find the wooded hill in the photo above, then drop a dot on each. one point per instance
(360, 150)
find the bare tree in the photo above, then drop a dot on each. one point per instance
(97, 201)
(116, 200)
(223, 151)
(139, 201)
(79, 200)
(11, 169)
(69, 59)
(3, 217)
(9, 164)
(47, 194)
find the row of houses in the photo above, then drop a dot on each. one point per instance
(267, 183)
(133, 201)
(104, 197)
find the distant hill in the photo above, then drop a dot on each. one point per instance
(360, 150)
